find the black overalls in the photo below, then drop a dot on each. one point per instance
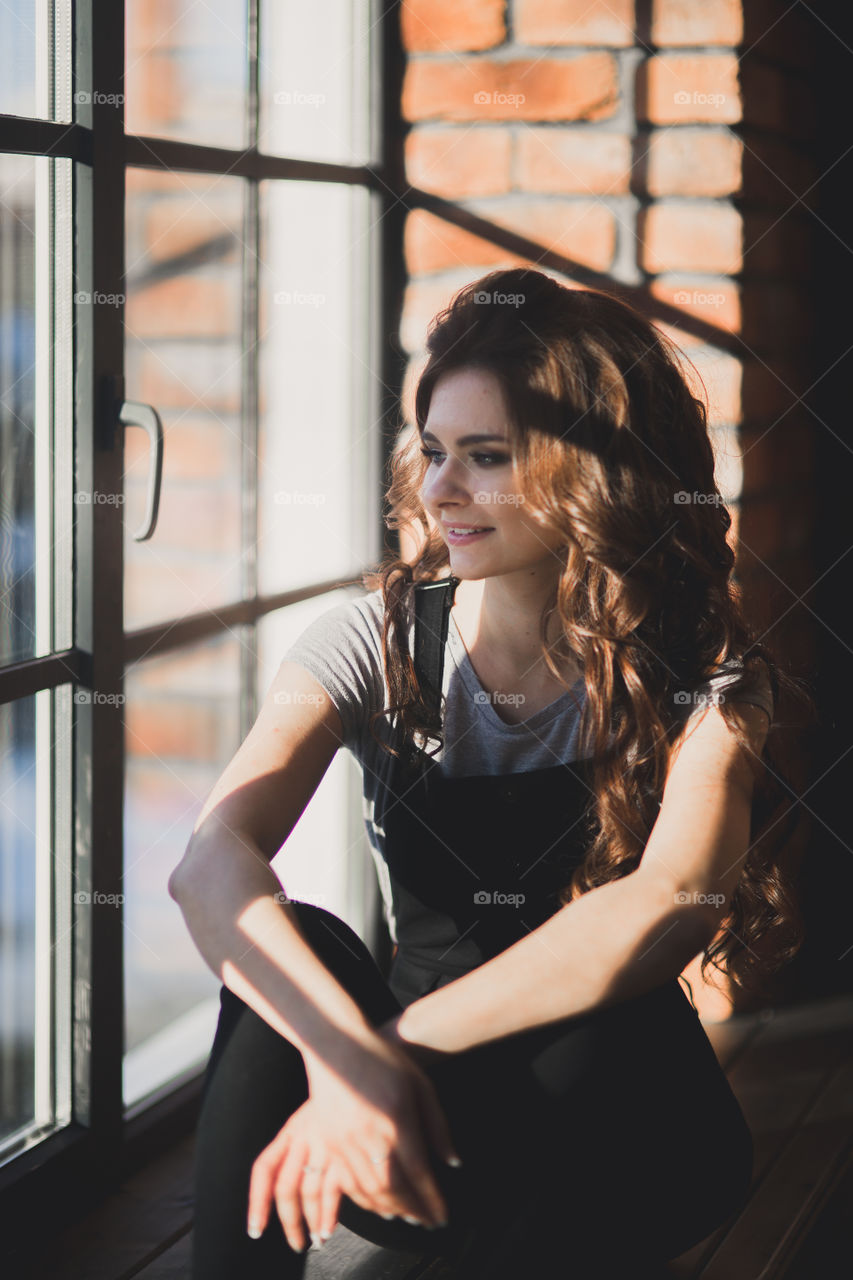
(602, 1141)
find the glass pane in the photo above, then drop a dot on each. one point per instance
(319, 437)
(184, 354)
(35, 59)
(34, 1012)
(326, 858)
(186, 70)
(182, 719)
(317, 80)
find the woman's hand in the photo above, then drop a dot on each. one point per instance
(367, 1135)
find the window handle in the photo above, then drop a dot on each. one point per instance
(135, 414)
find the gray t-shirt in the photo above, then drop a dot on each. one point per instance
(342, 650)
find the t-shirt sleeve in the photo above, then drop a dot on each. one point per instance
(730, 683)
(342, 650)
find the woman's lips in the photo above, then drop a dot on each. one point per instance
(458, 539)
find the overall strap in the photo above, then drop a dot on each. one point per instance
(433, 602)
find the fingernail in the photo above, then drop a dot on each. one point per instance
(388, 1216)
(454, 1161)
(434, 1226)
(318, 1239)
(254, 1231)
(416, 1222)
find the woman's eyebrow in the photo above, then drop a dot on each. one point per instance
(480, 439)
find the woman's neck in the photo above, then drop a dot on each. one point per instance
(502, 621)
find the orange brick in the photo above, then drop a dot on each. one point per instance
(180, 225)
(189, 379)
(716, 301)
(678, 88)
(693, 162)
(568, 160)
(438, 26)
(184, 306)
(582, 230)
(574, 22)
(582, 88)
(691, 237)
(458, 162)
(679, 22)
(721, 374)
(166, 730)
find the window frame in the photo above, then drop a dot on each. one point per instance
(72, 1166)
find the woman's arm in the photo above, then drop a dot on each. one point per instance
(369, 1095)
(625, 937)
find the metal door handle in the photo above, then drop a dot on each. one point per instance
(134, 414)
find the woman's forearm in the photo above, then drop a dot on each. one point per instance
(615, 942)
(225, 888)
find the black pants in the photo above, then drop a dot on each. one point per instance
(611, 1141)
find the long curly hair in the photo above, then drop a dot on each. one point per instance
(607, 439)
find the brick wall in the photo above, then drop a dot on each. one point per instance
(665, 145)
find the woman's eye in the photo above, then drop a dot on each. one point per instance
(486, 459)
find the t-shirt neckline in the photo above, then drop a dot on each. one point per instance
(471, 680)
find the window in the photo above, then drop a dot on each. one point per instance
(192, 239)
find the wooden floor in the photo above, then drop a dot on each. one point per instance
(792, 1072)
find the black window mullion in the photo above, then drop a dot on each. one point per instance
(99, 732)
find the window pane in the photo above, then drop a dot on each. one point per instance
(182, 719)
(35, 980)
(319, 439)
(317, 80)
(326, 859)
(184, 352)
(35, 59)
(186, 70)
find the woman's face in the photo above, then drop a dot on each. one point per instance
(471, 482)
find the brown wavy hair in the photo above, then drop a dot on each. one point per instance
(605, 432)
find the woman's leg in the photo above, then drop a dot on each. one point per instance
(255, 1080)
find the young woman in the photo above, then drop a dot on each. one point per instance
(598, 810)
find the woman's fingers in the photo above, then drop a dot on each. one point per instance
(335, 1184)
(288, 1195)
(412, 1157)
(262, 1182)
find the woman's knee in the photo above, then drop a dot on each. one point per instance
(347, 958)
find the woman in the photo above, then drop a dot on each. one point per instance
(599, 809)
